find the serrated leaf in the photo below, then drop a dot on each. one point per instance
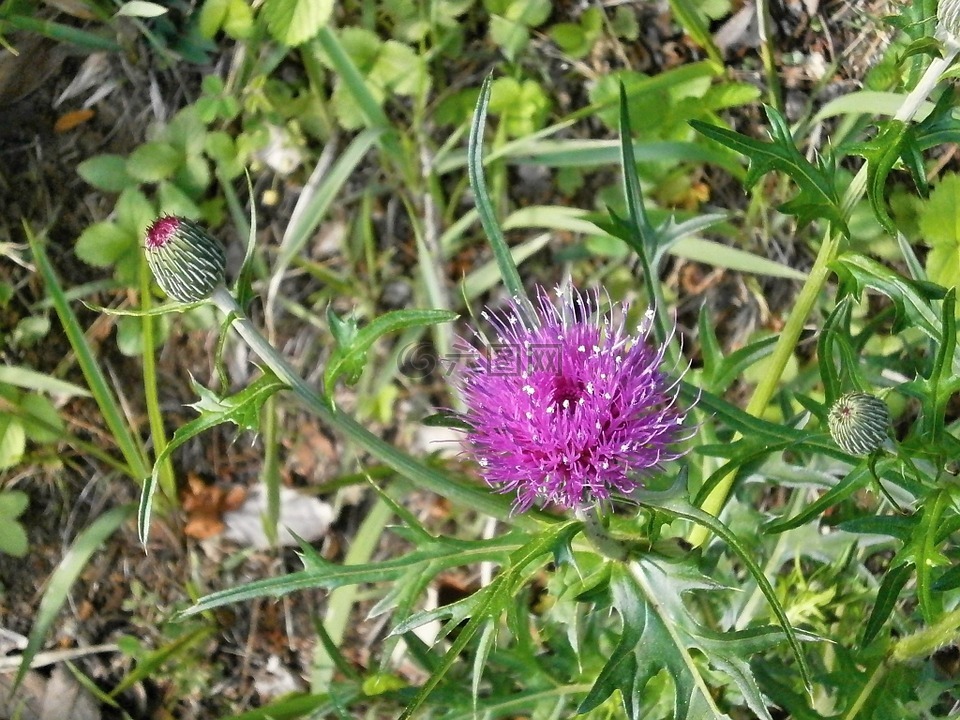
(659, 633)
(818, 194)
(893, 142)
(911, 298)
(293, 22)
(242, 409)
(352, 345)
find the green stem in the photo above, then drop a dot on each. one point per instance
(816, 280)
(478, 498)
(167, 479)
(595, 532)
(927, 641)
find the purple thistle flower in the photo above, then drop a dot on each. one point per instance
(567, 408)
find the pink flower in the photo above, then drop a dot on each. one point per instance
(567, 407)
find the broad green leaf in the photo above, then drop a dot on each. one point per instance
(13, 441)
(103, 244)
(940, 225)
(153, 161)
(13, 538)
(211, 19)
(293, 22)
(12, 504)
(817, 195)
(106, 172)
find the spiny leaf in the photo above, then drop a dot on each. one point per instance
(895, 141)
(658, 632)
(818, 194)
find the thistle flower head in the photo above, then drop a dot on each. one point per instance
(568, 407)
(185, 260)
(859, 422)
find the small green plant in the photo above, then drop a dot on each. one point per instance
(13, 536)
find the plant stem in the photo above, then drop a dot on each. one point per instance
(717, 499)
(597, 535)
(168, 481)
(475, 497)
(927, 641)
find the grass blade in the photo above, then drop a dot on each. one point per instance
(129, 446)
(86, 543)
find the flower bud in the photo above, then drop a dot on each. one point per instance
(185, 260)
(948, 21)
(859, 422)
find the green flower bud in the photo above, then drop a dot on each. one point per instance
(859, 422)
(948, 20)
(185, 260)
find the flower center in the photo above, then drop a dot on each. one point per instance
(566, 391)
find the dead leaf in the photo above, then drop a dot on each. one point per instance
(205, 505)
(68, 121)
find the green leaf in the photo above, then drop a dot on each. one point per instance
(13, 441)
(495, 598)
(673, 502)
(350, 355)
(488, 219)
(12, 504)
(13, 538)
(68, 570)
(940, 226)
(211, 19)
(153, 161)
(103, 244)
(911, 298)
(887, 595)
(293, 22)
(106, 172)
(242, 409)
(818, 194)
(32, 380)
(659, 633)
(894, 141)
